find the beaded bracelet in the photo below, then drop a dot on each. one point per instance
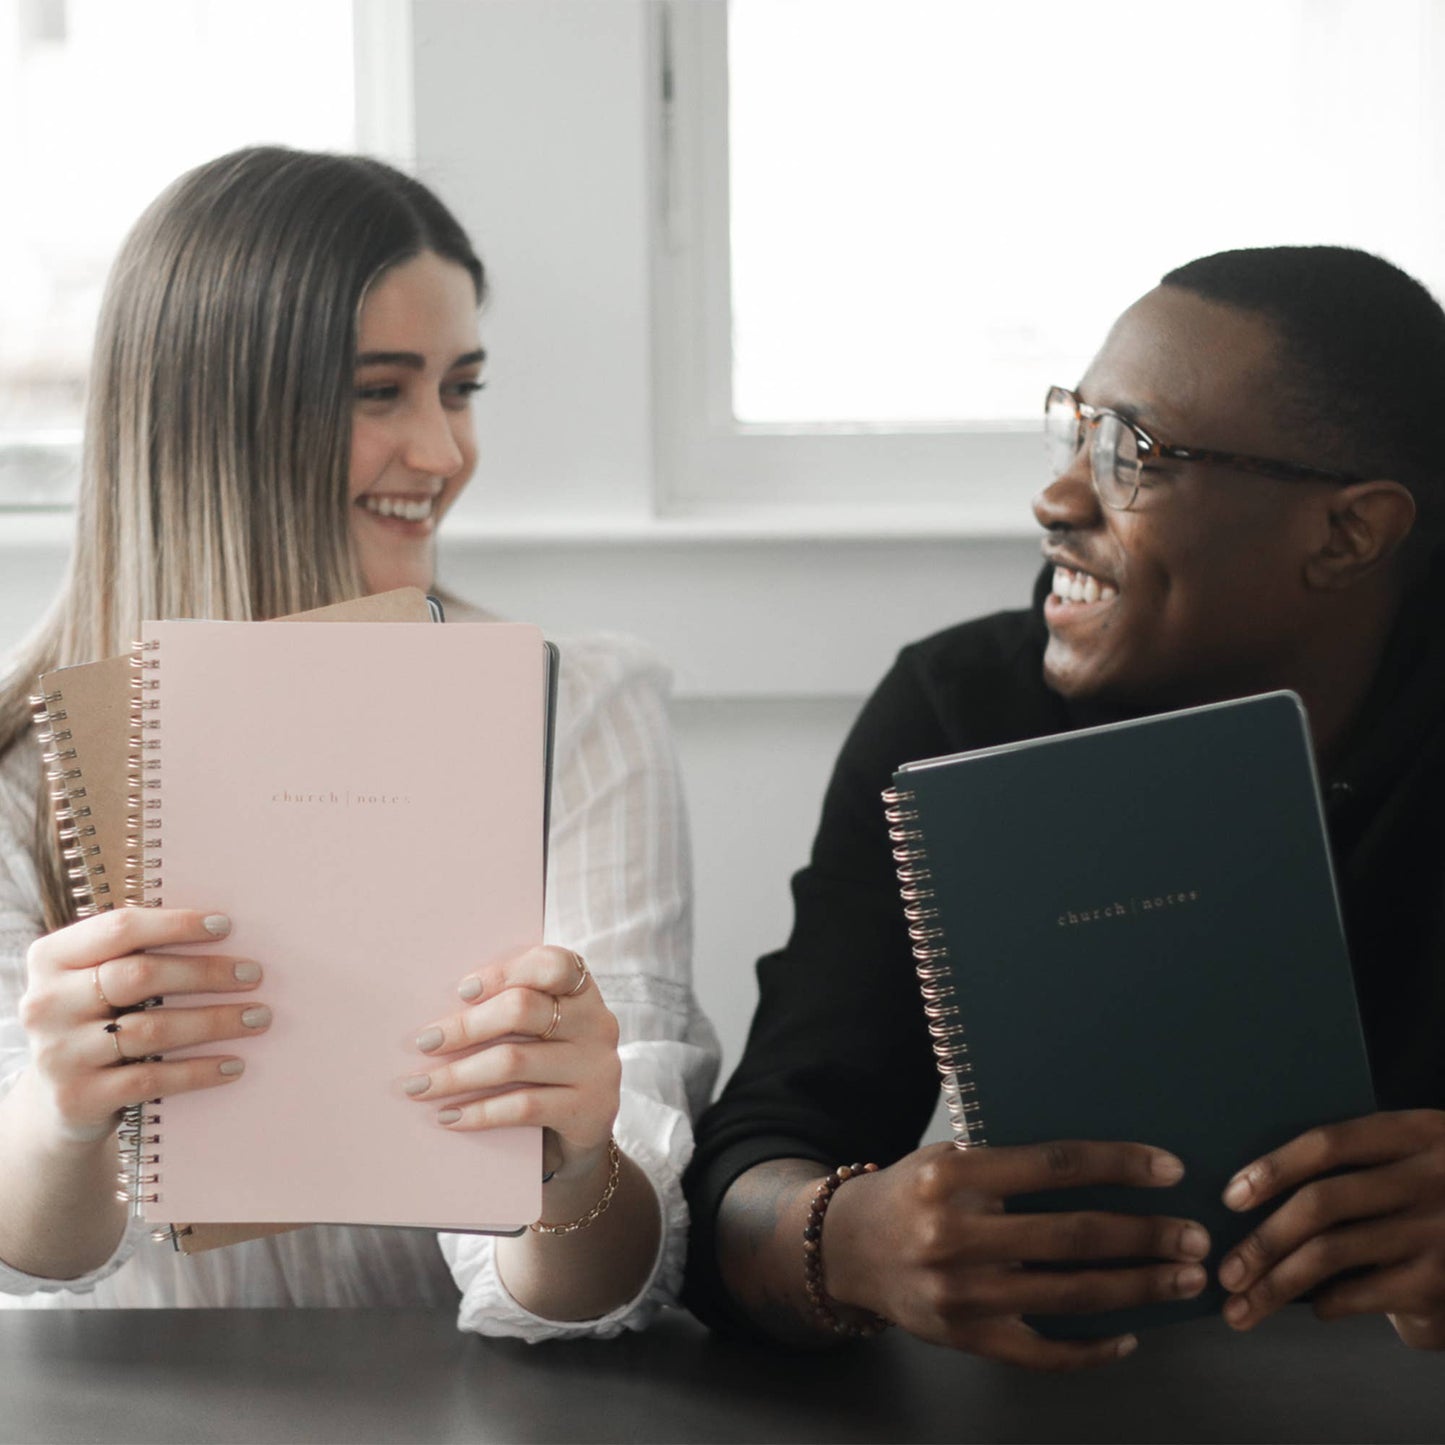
(818, 1297)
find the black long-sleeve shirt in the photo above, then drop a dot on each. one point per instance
(838, 1065)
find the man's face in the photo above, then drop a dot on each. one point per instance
(1200, 590)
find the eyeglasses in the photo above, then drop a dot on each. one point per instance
(1120, 452)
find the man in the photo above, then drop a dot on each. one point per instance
(1245, 497)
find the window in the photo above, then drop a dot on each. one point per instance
(102, 105)
(886, 229)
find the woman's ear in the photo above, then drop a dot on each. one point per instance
(1366, 523)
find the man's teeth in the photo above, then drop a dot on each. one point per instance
(409, 511)
(1071, 586)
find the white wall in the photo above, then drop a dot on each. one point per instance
(531, 119)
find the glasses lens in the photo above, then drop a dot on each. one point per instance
(1114, 457)
(1061, 430)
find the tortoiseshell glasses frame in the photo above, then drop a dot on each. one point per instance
(1120, 450)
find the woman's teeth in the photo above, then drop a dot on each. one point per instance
(416, 509)
(1071, 586)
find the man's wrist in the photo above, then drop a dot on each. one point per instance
(843, 1249)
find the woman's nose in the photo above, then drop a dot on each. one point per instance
(431, 445)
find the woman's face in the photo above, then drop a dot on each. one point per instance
(413, 438)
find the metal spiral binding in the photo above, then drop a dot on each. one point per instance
(142, 827)
(139, 1152)
(935, 978)
(139, 1135)
(85, 877)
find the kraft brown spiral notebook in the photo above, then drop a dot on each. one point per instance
(83, 724)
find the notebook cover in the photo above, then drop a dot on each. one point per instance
(1145, 943)
(96, 702)
(366, 804)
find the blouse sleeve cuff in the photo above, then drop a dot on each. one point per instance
(16, 1282)
(489, 1309)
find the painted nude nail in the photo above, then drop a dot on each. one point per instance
(416, 1084)
(471, 988)
(256, 1018)
(247, 972)
(231, 1067)
(429, 1039)
(449, 1116)
(217, 925)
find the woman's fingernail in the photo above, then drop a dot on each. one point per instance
(1237, 1195)
(429, 1039)
(247, 972)
(217, 924)
(416, 1084)
(1166, 1168)
(1126, 1346)
(449, 1116)
(1231, 1272)
(470, 988)
(232, 1067)
(256, 1018)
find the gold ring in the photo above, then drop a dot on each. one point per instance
(582, 973)
(113, 1030)
(99, 987)
(556, 1019)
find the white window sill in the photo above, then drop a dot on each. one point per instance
(52, 528)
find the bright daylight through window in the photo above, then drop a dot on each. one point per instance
(937, 207)
(101, 105)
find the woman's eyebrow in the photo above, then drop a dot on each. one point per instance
(414, 360)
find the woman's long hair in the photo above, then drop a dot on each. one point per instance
(214, 471)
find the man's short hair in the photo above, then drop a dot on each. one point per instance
(1364, 358)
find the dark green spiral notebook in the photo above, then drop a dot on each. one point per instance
(1132, 932)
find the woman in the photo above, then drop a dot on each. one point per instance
(279, 418)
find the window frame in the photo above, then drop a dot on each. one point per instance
(965, 478)
(40, 469)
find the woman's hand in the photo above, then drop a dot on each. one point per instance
(1382, 1225)
(550, 1057)
(82, 1013)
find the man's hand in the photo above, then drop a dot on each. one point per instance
(927, 1244)
(1383, 1223)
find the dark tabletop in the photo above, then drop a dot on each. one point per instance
(408, 1375)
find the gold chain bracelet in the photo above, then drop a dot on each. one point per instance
(614, 1177)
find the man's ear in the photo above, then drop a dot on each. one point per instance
(1366, 523)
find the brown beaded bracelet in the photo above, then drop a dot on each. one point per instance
(818, 1297)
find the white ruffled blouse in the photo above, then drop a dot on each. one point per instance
(618, 892)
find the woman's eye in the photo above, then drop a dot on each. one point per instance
(383, 392)
(461, 392)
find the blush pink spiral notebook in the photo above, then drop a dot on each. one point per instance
(366, 804)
